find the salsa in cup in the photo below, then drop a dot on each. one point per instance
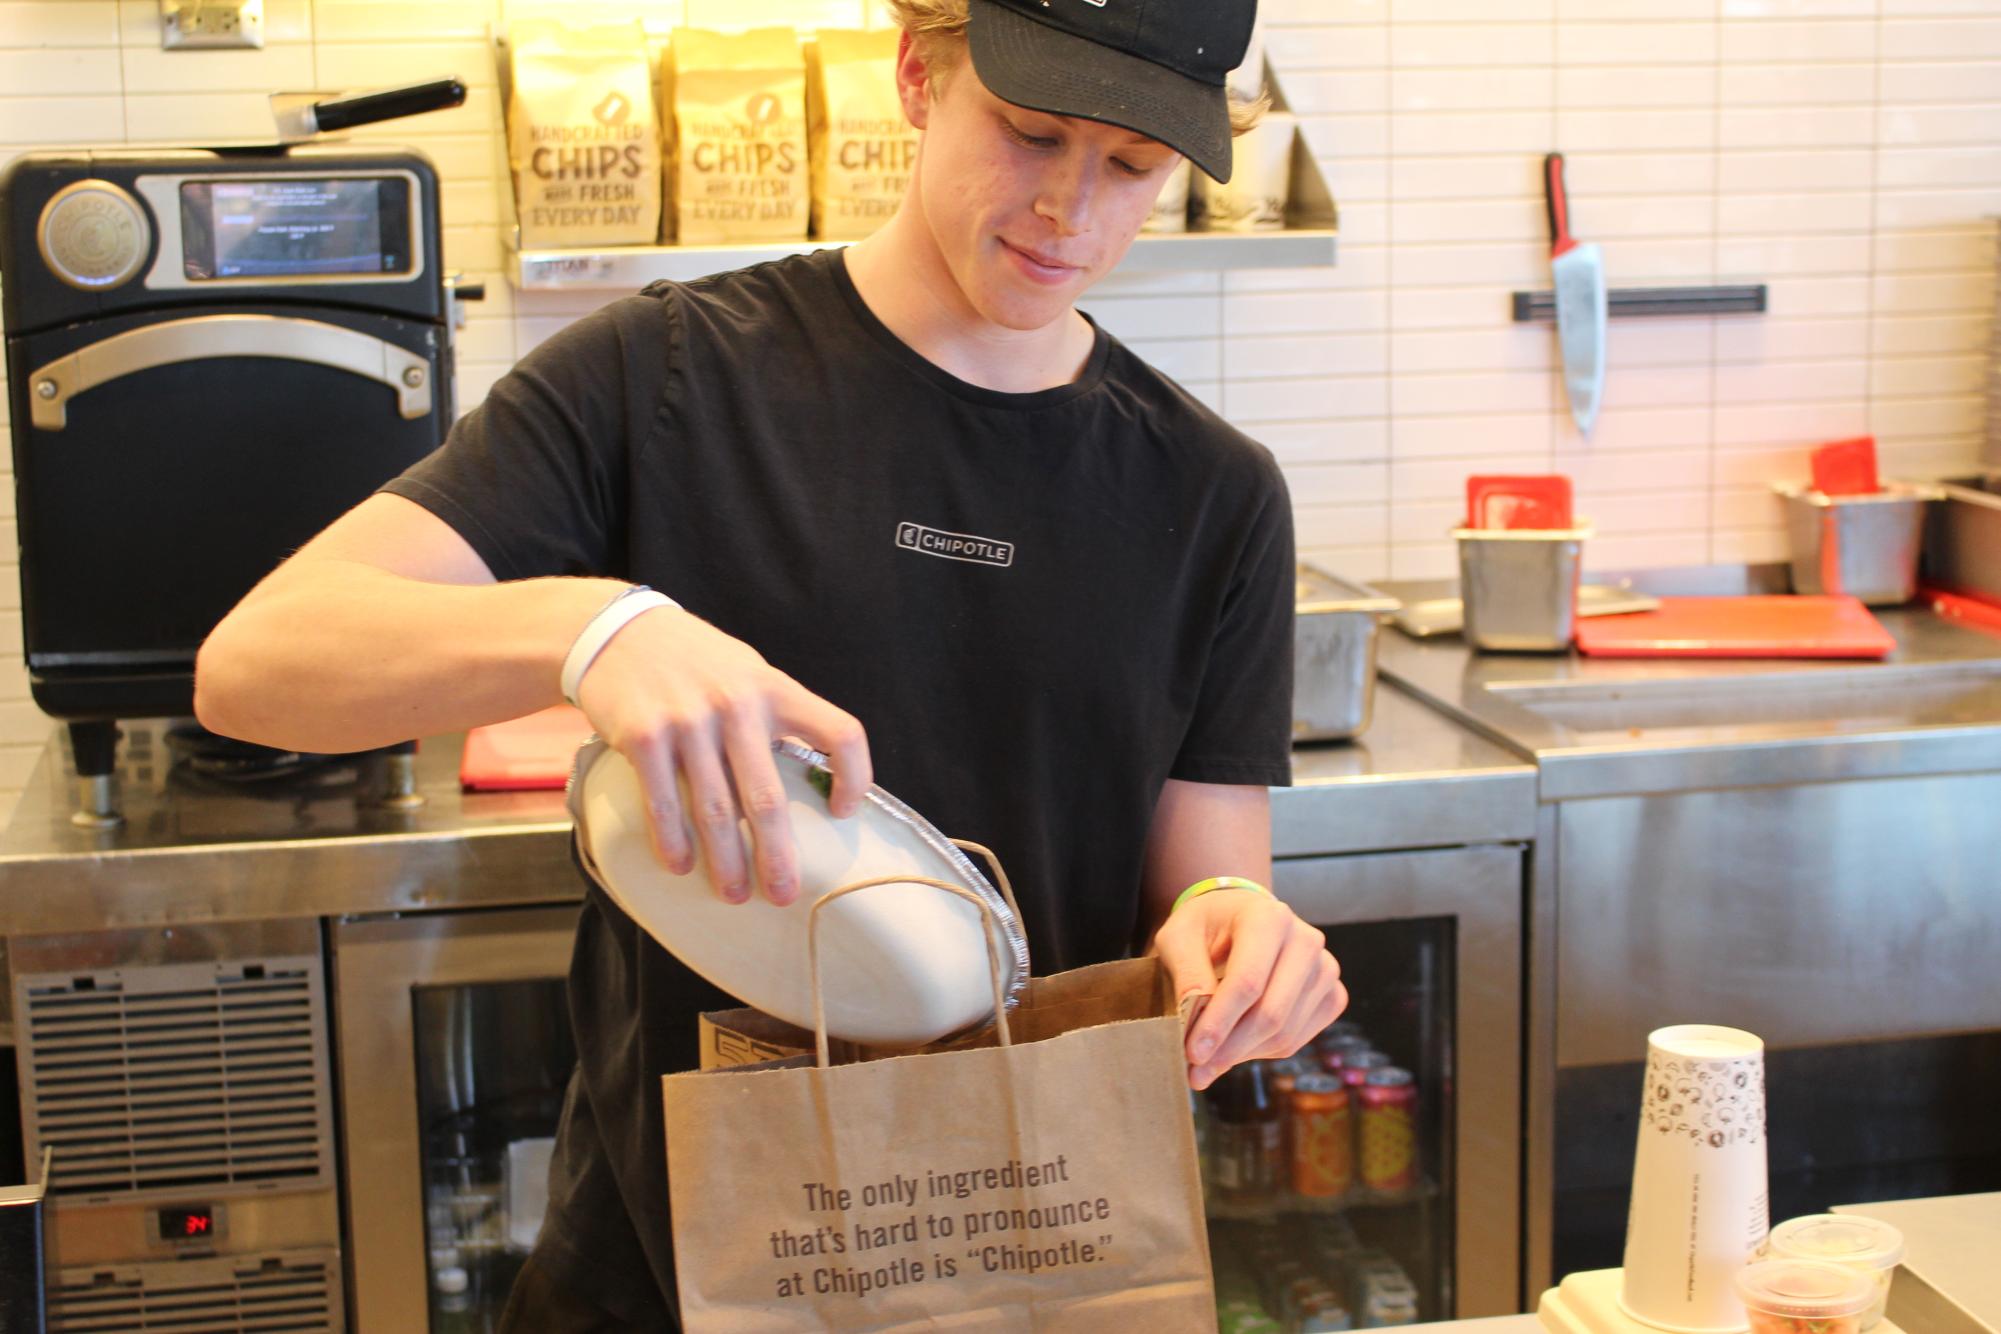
(1804, 1297)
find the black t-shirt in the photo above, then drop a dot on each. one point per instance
(1040, 606)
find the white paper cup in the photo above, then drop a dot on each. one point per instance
(1700, 1206)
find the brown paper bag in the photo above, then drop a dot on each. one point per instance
(1036, 1176)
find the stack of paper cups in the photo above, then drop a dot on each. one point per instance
(1700, 1206)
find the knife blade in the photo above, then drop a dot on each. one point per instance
(1579, 274)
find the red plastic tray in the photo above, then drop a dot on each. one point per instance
(1740, 627)
(528, 753)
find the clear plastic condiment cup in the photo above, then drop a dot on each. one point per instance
(1804, 1297)
(1864, 1244)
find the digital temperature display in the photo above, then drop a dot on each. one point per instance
(193, 1223)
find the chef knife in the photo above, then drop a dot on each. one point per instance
(1579, 271)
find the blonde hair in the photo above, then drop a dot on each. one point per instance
(937, 29)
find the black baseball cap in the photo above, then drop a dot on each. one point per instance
(1156, 67)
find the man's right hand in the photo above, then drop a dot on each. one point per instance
(695, 712)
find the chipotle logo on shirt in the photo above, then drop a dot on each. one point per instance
(954, 546)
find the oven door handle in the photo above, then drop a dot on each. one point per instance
(51, 387)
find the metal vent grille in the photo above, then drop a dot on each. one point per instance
(283, 1291)
(172, 1077)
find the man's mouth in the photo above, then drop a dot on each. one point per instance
(1038, 264)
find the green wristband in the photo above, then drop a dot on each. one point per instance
(1215, 882)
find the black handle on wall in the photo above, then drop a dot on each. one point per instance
(1634, 302)
(344, 113)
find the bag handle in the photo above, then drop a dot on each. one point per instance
(993, 864)
(989, 929)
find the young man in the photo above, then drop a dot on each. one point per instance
(1095, 681)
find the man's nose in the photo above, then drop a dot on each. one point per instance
(1067, 193)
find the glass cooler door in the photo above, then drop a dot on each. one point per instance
(492, 1063)
(1371, 1180)
(454, 1050)
(1328, 1176)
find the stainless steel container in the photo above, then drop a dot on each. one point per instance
(1963, 537)
(1334, 655)
(1519, 586)
(1864, 546)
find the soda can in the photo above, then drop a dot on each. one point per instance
(1387, 1120)
(1323, 1163)
(1332, 1053)
(1391, 1301)
(1275, 1283)
(1356, 1064)
(1284, 1074)
(1332, 1238)
(1304, 1295)
(1245, 1318)
(1326, 1317)
(1381, 1292)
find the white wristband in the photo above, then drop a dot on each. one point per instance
(598, 631)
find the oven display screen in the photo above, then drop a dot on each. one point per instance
(294, 227)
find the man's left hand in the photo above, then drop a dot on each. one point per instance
(1278, 984)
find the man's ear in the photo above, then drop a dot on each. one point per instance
(913, 82)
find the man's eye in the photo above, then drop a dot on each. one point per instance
(1129, 169)
(1026, 140)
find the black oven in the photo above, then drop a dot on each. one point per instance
(211, 354)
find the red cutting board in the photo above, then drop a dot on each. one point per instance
(524, 754)
(1740, 627)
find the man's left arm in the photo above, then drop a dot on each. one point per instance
(1271, 983)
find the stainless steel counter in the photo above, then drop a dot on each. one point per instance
(1948, 1283)
(198, 850)
(1606, 726)
(1413, 780)
(195, 850)
(1713, 835)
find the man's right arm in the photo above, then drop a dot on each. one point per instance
(389, 626)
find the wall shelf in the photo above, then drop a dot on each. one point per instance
(628, 268)
(1307, 240)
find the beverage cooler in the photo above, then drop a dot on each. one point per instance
(1370, 1180)
(1331, 1204)
(455, 1048)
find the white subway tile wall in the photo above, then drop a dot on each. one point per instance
(1843, 151)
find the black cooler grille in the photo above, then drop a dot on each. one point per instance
(283, 1291)
(173, 1077)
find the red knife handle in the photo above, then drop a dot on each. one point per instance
(1560, 239)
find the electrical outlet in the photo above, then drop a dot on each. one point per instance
(207, 24)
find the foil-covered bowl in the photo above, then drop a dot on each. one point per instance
(901, 964)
